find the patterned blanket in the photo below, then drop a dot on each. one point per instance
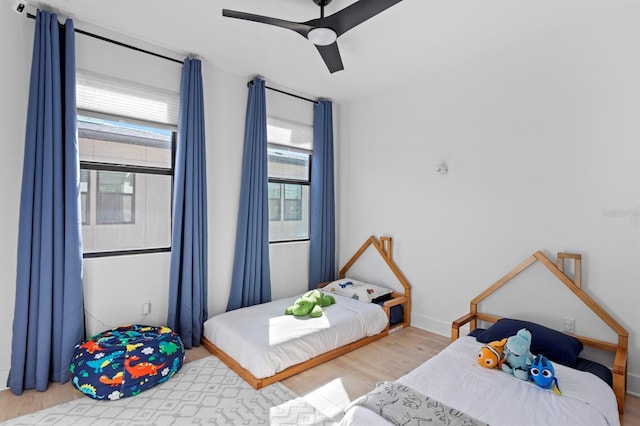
(401, 405)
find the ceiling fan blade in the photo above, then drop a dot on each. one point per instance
(331, 56)
(300, 28)
(352, 15)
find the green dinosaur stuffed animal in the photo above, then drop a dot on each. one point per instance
(311, 303)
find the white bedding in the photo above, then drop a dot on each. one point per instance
(265, 341)
(453, 377)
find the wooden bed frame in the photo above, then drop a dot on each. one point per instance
(619, 350)
(384, 249)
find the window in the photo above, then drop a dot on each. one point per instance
(289, 165)
(126, 184)
(126, 139)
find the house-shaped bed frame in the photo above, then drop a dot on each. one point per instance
(384, 248)
(619, 350)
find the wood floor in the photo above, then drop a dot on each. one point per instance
(358, 371)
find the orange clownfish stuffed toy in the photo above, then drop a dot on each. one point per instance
(491, 354)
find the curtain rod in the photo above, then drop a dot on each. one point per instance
(249, 83)
(119, 43)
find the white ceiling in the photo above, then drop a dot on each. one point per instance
(411, 40)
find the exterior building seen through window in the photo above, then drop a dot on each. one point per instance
(115, 201)
(126, 179)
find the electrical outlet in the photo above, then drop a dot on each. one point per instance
(569, 325)
(146, 308)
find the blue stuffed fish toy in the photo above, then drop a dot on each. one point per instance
(543, 374)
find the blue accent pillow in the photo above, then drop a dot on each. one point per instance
(556, 346)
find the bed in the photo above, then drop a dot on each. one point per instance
(454, 389)
(264, 346)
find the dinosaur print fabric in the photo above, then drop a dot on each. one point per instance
(125, 361)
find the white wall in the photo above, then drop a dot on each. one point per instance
(116, 287)
(542, 143)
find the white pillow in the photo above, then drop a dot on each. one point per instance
(358, 290)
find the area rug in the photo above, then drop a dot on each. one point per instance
(203, 392)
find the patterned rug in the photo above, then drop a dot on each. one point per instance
(203, 392)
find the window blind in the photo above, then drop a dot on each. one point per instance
(289, 133)
(109, 95)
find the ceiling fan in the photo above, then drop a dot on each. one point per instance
(324, 31)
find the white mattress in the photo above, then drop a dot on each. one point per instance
(265, 341)
(454, 378)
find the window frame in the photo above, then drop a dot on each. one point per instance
(129, 168)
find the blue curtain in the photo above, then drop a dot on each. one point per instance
(188, 277)
(322, 264)
(251, 280)
(49, 316)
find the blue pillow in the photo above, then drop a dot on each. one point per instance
(556, 346)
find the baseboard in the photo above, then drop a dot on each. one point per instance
(633, 384)
(430, 324)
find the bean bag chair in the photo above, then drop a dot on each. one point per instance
(125, 361)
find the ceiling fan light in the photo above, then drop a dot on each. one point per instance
(322, 36)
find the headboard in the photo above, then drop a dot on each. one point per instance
(384, 248)
(619, 350)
